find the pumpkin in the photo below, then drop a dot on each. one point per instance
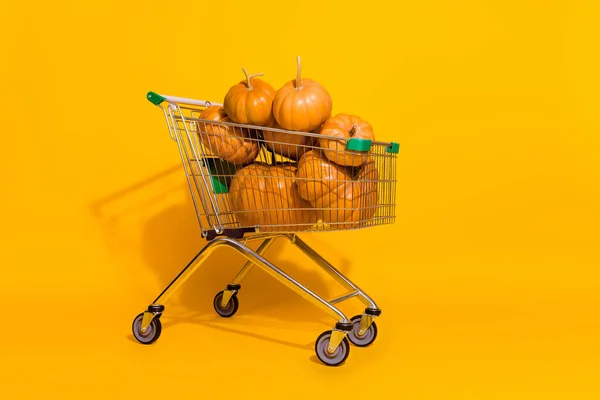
(345, 126)
(287, 144)
(267, 196)
(301, 104)
(342, 196)
(232, 144)
(250, 101)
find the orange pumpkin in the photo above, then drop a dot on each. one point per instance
(250, 101)
(301, 104)
(342, 197)
(287, 144)
(232, 144)
(267, 196)
(345, 126)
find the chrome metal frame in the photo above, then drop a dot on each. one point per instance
(219, 223)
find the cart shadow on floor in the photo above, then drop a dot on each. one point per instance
(168, 237)
(236, 328)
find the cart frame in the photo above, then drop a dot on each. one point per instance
(332, 346)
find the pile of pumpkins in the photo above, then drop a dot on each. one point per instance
(321, 182)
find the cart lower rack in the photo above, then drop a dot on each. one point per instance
(262, 183)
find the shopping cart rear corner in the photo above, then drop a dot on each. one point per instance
(264, 183)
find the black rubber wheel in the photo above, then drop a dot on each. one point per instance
(231, 307)
(339, 355)
(366, 338)
(152, 333)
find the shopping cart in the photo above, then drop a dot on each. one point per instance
(251, 183)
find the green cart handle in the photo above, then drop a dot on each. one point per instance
(157, 99)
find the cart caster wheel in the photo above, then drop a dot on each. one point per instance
(366, 338)
(331, 359)
(231, 307)
(152, 333)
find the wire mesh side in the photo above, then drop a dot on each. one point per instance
(276, 180)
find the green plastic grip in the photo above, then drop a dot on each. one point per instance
(155, 98)
(364, 145)
(219, 185)
(220, 172)
(393, 148)
(356, 144)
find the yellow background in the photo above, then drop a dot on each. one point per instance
(488, 281)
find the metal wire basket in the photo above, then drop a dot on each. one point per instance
(262, 183)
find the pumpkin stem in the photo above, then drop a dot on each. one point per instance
(298, 79)
(248, 85)
(352, 130)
